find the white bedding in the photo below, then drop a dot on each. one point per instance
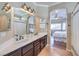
(61, 34)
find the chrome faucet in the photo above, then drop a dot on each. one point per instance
(19, 37)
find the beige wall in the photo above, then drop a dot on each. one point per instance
(68, 47)
(37, 23)
(48, 28)
(3, 23)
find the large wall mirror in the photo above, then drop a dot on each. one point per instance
(20, 21)
(23, 22)
(31, 24)
(43, 25)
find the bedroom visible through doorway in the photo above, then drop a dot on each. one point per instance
(58, 28)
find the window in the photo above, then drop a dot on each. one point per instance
(42, 25)
(58, 19)
(63, 26)
(56, 26)
(31, 24)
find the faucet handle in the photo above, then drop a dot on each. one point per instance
(21, 37)
(16, 35)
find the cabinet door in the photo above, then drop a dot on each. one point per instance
(27, 48)
(36, 50)
(29, 53)
(37, 42)
(37, 47)
(43, 41)
(42, 44)
(15, 53)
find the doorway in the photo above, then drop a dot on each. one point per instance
(58, 28)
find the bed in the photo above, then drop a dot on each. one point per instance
(60, 35)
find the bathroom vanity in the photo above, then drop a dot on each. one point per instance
(25, 41)
(31, 47)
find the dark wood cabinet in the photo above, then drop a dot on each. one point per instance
(36, 51)
(43, 41)
(37, 47)
(29, 53)
(37, 42)
(27, 49)
(15, 53)
(31, 49)
(42, 45)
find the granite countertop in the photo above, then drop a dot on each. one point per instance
(12, 44)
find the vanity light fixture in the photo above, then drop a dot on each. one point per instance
(32, 10)
(6, 7)
(26, 8)
(29, 9)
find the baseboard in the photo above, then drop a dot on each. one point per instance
(68, 50)
(74, 51)
(48, 45)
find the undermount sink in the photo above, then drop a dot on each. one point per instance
(25, 38)
(22, 40)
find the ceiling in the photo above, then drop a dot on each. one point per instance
(46, 3)
(59, 13)
(44, 8)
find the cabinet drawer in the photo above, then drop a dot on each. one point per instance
(45, 41)
(46, 37)
(27, 48)
(42, 45)
(37, 49)
(15, 53)
(29, 53)
(37, 42)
